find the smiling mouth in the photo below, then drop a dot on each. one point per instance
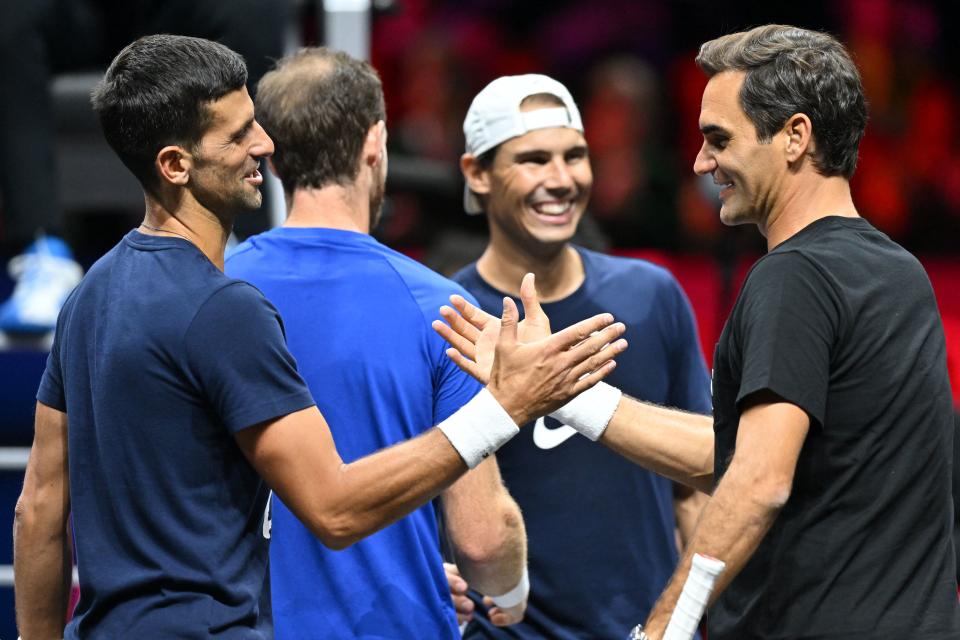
(254, 177)
(553, 211)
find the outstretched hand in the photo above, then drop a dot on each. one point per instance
(528, 370)
(473, 333)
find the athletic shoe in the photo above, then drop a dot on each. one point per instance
(45, 273)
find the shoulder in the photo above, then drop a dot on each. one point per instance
(236, 299)
(630, 279)
(427, 287)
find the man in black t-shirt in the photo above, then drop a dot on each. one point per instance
(830, 458)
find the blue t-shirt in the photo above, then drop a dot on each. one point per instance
(600, 529)
(158, 360)
(358, 320)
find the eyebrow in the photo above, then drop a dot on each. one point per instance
(710, 129)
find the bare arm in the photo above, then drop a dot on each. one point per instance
(673, 443)
(746, 502)
(341, 503)
(688, 503)
(487, 535)
(41, 549)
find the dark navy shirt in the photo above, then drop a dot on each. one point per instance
(601, 529)
(158, 360)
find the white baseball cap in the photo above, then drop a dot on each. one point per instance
(494, 117)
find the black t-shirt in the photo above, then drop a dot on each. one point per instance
(842, 322)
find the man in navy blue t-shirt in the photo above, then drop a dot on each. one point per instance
(601, 530)
(169, 390)
(329, 278)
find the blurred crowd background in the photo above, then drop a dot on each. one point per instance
(630, 66)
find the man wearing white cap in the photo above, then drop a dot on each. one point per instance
(600, 529)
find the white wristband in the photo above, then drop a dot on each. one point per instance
(516, 595)
(479, 428)
(591, 411)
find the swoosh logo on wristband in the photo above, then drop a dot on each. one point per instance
(547, 438)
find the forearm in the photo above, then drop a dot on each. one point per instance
(670, 442)
(731, 527)
(42, 574)
(486, 531)
(688, 504)
(375, 491)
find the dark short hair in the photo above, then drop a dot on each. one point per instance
(157, 92)
(318, 105)
(791, 70)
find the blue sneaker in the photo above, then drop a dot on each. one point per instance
(45, 273)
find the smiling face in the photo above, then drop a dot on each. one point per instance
(750, 172)
(538, 187)
(226, 177)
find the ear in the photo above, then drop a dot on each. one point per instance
(173, 164)
(476, 177)
(799, 137)
(375, 144)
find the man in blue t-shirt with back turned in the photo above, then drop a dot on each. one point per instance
(182, 397)
(358, 320)
(601, 530)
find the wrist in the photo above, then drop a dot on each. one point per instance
(478, 428)
(591, 411)
(515, 596)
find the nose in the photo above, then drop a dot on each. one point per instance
(263, 144)
(704, 162)
(559, 176)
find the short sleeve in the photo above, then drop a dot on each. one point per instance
(689, 381)
(452, 387)
(236, 351)
(791, 316)
(51, 392)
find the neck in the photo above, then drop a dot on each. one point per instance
(193, 223)
(559, 272)
(333, 207)
(809, 201)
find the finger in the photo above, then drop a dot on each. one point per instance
(468, 366)
(593, 378)
(463, 605)
(451, 568)
(577, 333)
(596, 341)
(508, 323)
(598, 359)
(532, 311)
(473, 314)
(456, 340)
(460, 324)
(458, 586)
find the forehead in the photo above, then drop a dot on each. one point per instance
(720, 106)
(550, 139)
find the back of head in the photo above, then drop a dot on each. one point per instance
(318, 106)
(156, 93)
(789, 70)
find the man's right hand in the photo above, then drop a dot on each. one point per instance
(533, 374)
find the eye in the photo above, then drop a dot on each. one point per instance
(575, 155)
(717, 141)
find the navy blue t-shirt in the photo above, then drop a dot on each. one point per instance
(358, 319)
(158, 360)
(601, 529)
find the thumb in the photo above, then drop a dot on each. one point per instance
(508, 322)
(532, 311)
